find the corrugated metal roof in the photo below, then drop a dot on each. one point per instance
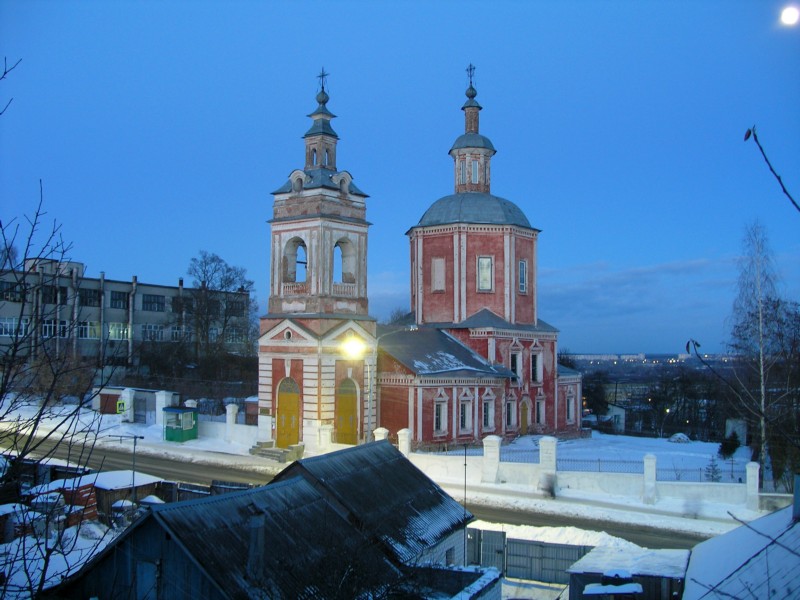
(303, 538)
(391, 499)
(474, 207)
(431, 351)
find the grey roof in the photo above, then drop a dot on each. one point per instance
(321, 127)
(431, 351)
(567, 371)
(474, 207)
(485, 318)
(756, 560)
(300, 532)
(388, 498)
(472, 140)
(319, 178)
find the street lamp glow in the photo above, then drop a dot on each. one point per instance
(790, 15)
(354, 348)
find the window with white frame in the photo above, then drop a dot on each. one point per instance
(540, 416)
(570, 406)
(511, 413)
(180, 334)
(475, 171)
(465, 412)
(234, 335)
(439, 417)
(11, 326)
(437, 274)
(463, 166)
(119, 299)
(118, 331)
(152, 332)
(488, 411)
(52, 328)
(515, 364)
(485, 274)
(523, 277)
(154, 302)
(536, 367)
(89, 330)
(89, 297)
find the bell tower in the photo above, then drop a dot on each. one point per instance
(312, 391)
(319, 230)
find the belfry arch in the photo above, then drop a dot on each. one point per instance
(295, 261)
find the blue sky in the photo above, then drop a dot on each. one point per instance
(159, 129)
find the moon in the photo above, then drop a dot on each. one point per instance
(790, 15)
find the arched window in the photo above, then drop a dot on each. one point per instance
(314, 157)
(327, 158)
(344, 262)
(295, 261)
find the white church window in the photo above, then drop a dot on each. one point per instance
(474, 171)
(463, 166)
(523, 277)
(536, 367)
(485, 274)
(439, 417)
(437, 274)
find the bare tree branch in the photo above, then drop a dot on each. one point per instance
(752, 131)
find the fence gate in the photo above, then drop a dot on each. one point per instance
(493, 550)
(539, 561)
(473, 547)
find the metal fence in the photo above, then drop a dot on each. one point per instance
(522, 559)
(519, 455)
(600, 465)
(735, 475)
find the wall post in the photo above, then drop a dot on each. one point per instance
(649, 492)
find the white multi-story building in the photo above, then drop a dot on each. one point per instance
(51, 303)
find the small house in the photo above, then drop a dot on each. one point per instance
(180, 423)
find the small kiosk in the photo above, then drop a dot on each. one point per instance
(180, 423)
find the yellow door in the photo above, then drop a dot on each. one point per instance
(288, 414)
(346, 413)
(523, 419)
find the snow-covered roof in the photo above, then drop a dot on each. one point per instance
(105, 480)
(756, 560)
(637, 561)
(598, 589)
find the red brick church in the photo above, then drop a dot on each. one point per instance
(475, 358)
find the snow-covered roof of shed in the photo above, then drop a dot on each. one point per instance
(391, 499)
(757, 560)
(431, 351)
(637, 561)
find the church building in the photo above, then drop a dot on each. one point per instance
(475, 359)
(478, 360)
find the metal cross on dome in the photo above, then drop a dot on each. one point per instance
(322, 75)
(470, 72)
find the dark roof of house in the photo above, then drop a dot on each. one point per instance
(390, 499)
(486, 319)
(474, 207)
(431, 351)
(302, 538)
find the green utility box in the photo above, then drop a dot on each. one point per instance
(180, 423)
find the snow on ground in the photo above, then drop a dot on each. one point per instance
(571, 536)
(702, 517)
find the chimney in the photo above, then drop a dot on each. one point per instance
(255, 554)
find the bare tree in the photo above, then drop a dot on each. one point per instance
(44, 387)
(6, 71)
(221, 314)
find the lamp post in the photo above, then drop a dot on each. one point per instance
(135, 438)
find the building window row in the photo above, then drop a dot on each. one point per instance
(12, 326)
(154, 302)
